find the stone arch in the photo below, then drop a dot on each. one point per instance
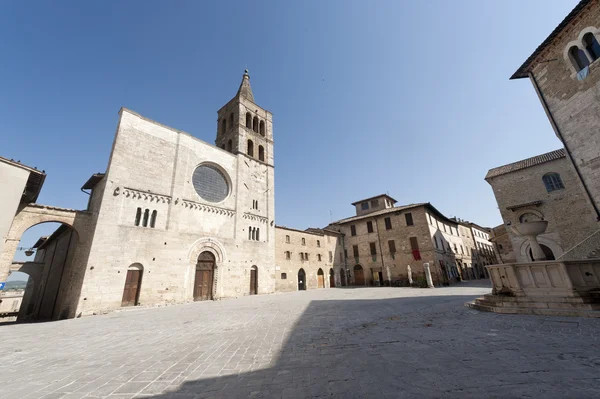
(262, 128)
(359, 277)
(554, 247)
(248, 120)
(212, 245)
(528, 210)
(255, 124)
(261, 153)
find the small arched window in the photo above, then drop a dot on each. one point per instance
(224, 126)
(146, 216)
(262, 128)
(578, 58)
(138, 216)
(153, 219)
(230, 146)
(248, 120)
(261, 153)
(258, 234)
(553, 182)
(231, 120)
(250, 150)
(255, 124)
(249, 233)
(592, 46)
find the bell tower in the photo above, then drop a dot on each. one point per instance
(244, 128)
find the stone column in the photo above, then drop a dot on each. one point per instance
(536, 250)
(428, 275)
(409, 272)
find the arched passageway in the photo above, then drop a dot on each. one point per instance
(203, 282)
(253, 280)
(301, 280)
(45, 252)
(359, 277)
(133, 285)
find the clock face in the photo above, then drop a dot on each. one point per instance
(210, 183)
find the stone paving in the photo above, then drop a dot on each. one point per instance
(340, 343)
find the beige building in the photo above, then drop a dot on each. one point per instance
(383, 240)
(564, 71)
(21, 185)
(502, 244)
(173, 219)
(547, 188)
(308, 259)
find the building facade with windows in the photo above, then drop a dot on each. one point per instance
(308, 259)
(544, 187)
(565, 73)
(382, 240)
(173, 218)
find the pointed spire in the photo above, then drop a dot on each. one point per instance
(245, 90)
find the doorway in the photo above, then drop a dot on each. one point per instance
(331, 278)
(133, 283)
(320, 278)
(343, 277)
(301, 280)
(253, 280)
(203, 283)
(359, 277)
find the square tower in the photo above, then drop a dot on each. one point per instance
(245, 128)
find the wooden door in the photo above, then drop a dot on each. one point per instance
(320, 281)
(331, 281)
(253, 282)
(132, 286)
(203, 285)
(343, 277)
(359, 277)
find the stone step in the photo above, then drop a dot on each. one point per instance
(537, 305)
(548, 299)
(534, 311)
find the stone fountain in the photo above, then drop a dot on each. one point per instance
(531, 230)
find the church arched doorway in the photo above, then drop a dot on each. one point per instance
(133, 284)
(203, 282)
(331, 278)
(343, 277)
(301, 280)
(253, 280)
(320, 278)
(359, 276)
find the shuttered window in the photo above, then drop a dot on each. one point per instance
(388, 223)
(409, 219)
(392, 245)
(373, 248)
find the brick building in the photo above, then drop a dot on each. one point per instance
(564, 71)
(544, 187)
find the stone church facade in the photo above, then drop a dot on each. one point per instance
(175, 219)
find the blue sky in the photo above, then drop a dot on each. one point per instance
(368, 97)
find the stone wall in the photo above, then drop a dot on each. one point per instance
(317, 246)
(13, 183)
(574, 103)
(151, 167)
(569, 215)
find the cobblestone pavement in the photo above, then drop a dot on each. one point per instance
(342, 343)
